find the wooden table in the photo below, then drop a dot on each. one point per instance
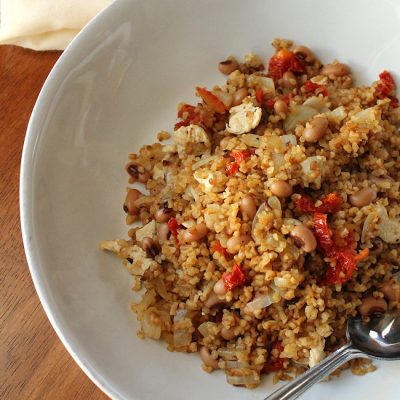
(33, 362)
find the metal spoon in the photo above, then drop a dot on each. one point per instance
(378, 339)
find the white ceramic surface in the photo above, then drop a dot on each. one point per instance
(111, 91)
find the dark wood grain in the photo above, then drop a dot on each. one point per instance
(33, 362)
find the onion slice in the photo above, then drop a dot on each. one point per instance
(251, 379)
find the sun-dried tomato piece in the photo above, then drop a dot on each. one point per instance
(286, 98)
(277, 364)
(218, 248)
(186, 108)
(259, 96)
(304, 204)
(386, 88)
(316, 88)
(386, 85)
(231, 168)
(282, 61)
(189, 115)
(235, 278)
(344, 258)
(323, 233)
(343, 270)
(270, 103)
(330, 204)
(241, 155)
(173, 227)
(211, 99)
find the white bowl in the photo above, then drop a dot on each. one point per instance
(110, 92)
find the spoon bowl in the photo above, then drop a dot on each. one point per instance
(377, 337)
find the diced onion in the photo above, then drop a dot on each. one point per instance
(182, 337)
(368, 116)
(207, 328)
(149, 328)
(278, 160)
(299, 115)
(180, 314)
(259, 303)
(227, 354)
(337, 115)
(276, 289)
(263, 82)
(253, 379)
(203, 161)
(147, 300)
(289, 139)
(317, 102)
(388, 230)
(225, 97)
(236, 364)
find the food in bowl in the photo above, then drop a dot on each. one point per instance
(271, 217)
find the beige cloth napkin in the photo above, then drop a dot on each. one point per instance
(45, 24)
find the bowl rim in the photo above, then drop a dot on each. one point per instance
(36, 123)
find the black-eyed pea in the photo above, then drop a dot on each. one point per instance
(337, 69)
(238, 96)
(281, 189)
(219, 288)
(304, 238)
(316, 129)
(150, 246)
(162, 232)
(163, 214)
(280, 107)
(195, 233)
(304, 53)
(248, 207)
(363, 197)
(228, 334)
(371, 305)
(134, 172)
(129, 205)
(234, 243)
(228, 66)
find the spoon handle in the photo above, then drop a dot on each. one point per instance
(303, 382)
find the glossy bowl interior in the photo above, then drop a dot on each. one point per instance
(113, 89)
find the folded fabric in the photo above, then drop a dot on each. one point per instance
(45, 24)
